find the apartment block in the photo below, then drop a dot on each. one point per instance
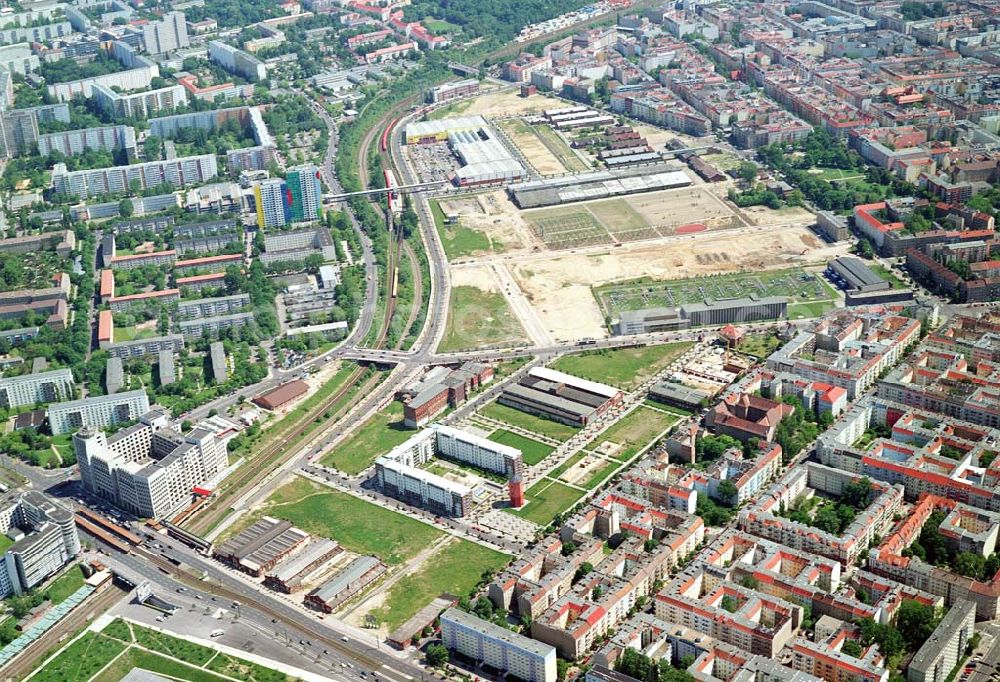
(178, 173)
(45, 540)
(497, 647)
(150, 469)
(31, 389)
(97, 411)
(139, 104)
(237, 61)
(73, 142)
(210, 307)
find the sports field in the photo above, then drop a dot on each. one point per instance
(532, 451)
(381, 433)
(546, 499)
(626, 368)
(456, 568)
(359, 526)
(478, 319)
(796, 284)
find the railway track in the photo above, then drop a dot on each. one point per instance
(305, 625)
(254, 471)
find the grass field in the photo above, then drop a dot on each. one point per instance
(625, 368)
(546, 499)
(357, 525)
(832, 174)
(567, 465)
(528, 422)
(477, 319)
(798, 311)
(381, 433)
(618, 213)
(888, 275)
(453, 109)
(760, 345)
(533, 452)
(635, 431)
(65, 585)
(796, 284)
(560, 150)
(459, 241)
(81, 659)
(454, 569)
(599, 474)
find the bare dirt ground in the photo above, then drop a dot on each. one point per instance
(479, 277)
(494, 214)
(509, 103)
(537, 154)
(583, 469)
(559, 288)
(673, 208)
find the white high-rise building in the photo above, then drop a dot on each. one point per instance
(150, 469)
(166, 35)
(97, 411)
(29, 389)
(47, 540)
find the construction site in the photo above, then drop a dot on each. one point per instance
(604, 201)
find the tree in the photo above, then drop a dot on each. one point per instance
(851, 648)
(748, 172)
(969, 564)
(915, 622)
(125, 208)
(728, 493)
(635, 664)
(857, 493)
(437, 654)
(750, 582)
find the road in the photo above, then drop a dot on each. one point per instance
(323, 645)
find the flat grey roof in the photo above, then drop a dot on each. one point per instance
(467, 620)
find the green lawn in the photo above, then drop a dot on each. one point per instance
(634, 431)
(760, 345)
(533, 451)
(477, 319)
(805, 310)
(832, 174)
(5, 543)
(453, 109)
(567, 464)
(888, 275)
(63, 444)
(454, 569)
(529, 422)
(458, 240)
(81, 659)
(65, 585)
(358, 525)
(600, 474)
(381, 433)
(546, 499)
(438, 26)
(175, 648)
(625, 368)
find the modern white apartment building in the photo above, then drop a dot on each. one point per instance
(180, 172)
(138, 74)
(166, 35)
(946, 645)
(150, 469)
(139, 104)
(237, 61)
(29, 389)
(480, 452)
(422, 488)
(97, 411)
(498, 647)
(46, 538)
(72, 142)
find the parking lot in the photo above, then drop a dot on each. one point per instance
(432, 162)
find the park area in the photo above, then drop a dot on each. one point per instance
(633, 432)
(479, 318)
(110, 655)
(532, 451)
(546, 499)
(625, 368)
(806, 291)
